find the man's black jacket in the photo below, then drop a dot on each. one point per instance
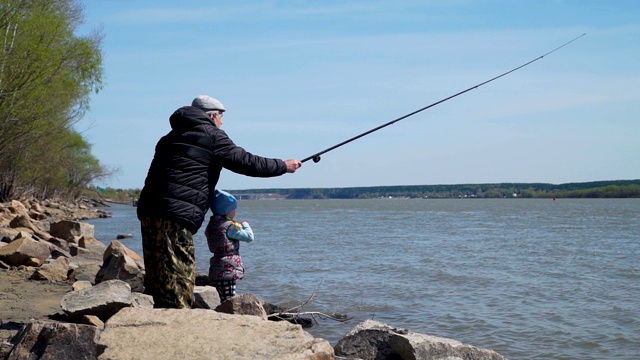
(186, 168)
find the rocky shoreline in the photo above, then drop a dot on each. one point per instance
(66, 294)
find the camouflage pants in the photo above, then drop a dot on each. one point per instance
(169, 260)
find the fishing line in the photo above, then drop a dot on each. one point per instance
(316, 156)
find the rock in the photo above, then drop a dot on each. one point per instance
(204, 334)
(52, 340)
(23, 234)
(8, 234)
(35, 206)
(21, 221)
(36, 215)
(70, 230)
(102, 300)
(205, 297)
(124, 236)
(56, 251)
(5, 349)
(61, 243)
(24, 251)
(81, 284)
(76, 250)
(93, 320)
(18, 208)
(118, 265)
(117, 246)
(85, 268)
(54, 270)
(91, 243)
(246, 304)
(375, 340)
(141, 300)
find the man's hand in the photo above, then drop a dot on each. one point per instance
(292, 165)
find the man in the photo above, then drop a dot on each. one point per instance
(175, 197)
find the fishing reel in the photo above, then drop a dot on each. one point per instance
(316, 158)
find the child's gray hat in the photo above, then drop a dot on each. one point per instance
(223, 203)
(207, 103)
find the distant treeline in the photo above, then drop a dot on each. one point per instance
(595, 189)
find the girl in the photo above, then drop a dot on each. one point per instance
(223, 237)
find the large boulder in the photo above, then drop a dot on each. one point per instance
(24, 251)
(71, 230)
(102, 300)
(53, 340)
(118, 264)
(135, 333)
(375, 340)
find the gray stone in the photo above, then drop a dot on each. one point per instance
(375, 340)
(194, 334)
(85, 268)
(205, 297)
(52, 340)
(102, 300)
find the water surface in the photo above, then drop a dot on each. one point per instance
(529, 278)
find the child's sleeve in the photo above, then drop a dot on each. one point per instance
(240, 232)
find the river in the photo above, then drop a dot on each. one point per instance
(528, 278)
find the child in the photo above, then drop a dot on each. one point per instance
(223, 237)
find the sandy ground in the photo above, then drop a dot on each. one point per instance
(22, 300)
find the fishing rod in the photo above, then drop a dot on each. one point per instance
(316, 156)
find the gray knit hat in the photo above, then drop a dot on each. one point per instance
(207, 103)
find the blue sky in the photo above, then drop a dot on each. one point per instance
(299, 77)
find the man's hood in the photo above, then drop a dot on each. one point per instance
(188, 117)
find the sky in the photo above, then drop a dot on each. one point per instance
(298, 77)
